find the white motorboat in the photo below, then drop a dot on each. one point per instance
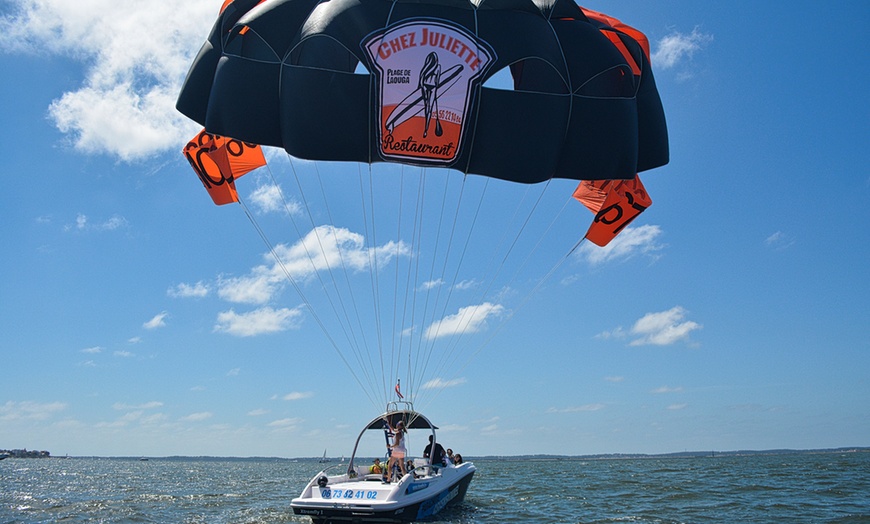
(354, 495)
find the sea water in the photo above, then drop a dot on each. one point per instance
(793, 488)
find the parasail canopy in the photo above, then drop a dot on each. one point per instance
(404, 82)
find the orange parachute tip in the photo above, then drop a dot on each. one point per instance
(218, 161)
(616, 203)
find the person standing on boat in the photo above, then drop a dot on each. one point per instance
(436, 451)
(397, 449)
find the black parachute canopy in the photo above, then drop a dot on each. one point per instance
(286, 73)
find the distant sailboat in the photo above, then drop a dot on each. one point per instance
(324, 459)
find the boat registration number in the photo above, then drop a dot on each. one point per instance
(349, 494)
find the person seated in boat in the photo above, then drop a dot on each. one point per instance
(376, 468)
(448, 459)
(436, 452)
(409, 466)
(457, 459)
(397, 449)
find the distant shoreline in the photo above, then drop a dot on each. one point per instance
(542, 458)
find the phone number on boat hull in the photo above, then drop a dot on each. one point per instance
(349, 494)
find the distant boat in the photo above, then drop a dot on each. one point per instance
(4, 456)
(323, 459)
(143, 459)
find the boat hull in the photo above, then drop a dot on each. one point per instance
(406, 509)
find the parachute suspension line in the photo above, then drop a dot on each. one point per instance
(541, 239)
(469, 314)
(493, 269)
(301, 294)
(366, 363)
(395, 352)
(531, 293)
(452, 282)
(400, 327)
(370, 229)
(464, 250)
(526, 299)
(414, 278)
(431, 279)
(453, 354)
(514, 311)
(343, 320)
(489, 278)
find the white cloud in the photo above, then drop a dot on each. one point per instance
(124, 354)
(617, 333)
(148, 405)
(135, 54)
(28, 410)
(269, 199)
(258, 287)
(285, 423)
(437, 383)
(630, 242)
(674, 407)
(663, 328)
(197, 417)
(297, 395)
(432, 284)
(258, 322)
(258, 412)
(153, 418)
(183, 290)
(234, 372)
(322, 249)
(465, 284)
(779, 241)
(677, 47)
(577, 409)
(93, 350)
(82, 223)
(614, 379)
(327, 247)
(470, 319)
(667, 389)
(158, 321)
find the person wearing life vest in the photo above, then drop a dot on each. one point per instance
(376, 468)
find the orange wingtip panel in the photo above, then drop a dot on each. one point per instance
(622, 202)
(218, 161)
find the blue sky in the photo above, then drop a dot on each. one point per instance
(137, 318)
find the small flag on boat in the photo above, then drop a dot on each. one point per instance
(398, 381)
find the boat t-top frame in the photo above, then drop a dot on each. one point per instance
(400, 410)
